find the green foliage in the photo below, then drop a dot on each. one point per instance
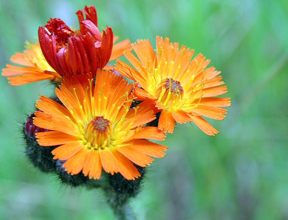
(242, 173)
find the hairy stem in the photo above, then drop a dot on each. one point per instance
(119, 204)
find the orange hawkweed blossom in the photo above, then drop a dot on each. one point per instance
(96, 127)
(82, 51)
(182, 88)
(33, 67)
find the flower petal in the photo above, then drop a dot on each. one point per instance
(65, 151)
(126, 167)
(166, 122)
(74, 164)
(92, 165)
(211, 112)
(149, 132)
(54, 138)
(108, 161)
(149, 148)
(135, 156)
(181, 116)
(204, 125)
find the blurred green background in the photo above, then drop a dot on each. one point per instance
(242, 173)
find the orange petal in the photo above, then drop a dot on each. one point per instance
(142, 72)
(75, 164)
(119, 48)
(211, 112)
(27, 78)
(50, 122)
(146, 54)
(135, 156)
(214, 91)
(77, 85)
(204, 125)
(124, 69)
(129, 72)
(166, 122)
(211, 73)
(69, 100)
(52, 107)
(21, 59)
(181, 116)
(213, 82)
(53, 138)
(206, 74)
(149, 148)
(66, 151)
(108, 161)
(117, 90)
(214, 101)
(126, 167)
(17, 70)
(92, 166)
(149, 132)
(142, 94)
(145, 113)
(43, 120)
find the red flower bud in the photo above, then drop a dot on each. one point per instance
(76, 52)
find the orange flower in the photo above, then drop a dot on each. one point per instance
(83, 51)
(96, 127)
(35, 67)
(183, 89)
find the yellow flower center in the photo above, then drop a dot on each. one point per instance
(169, 92)
(98, 133)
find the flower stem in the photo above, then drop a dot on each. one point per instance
(119, 204)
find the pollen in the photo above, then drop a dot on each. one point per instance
(173, 85)
(100, 124)
(169, 93)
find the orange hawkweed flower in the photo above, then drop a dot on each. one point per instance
(35, 67)
(182, 88)
(83, 51)
(96, 128)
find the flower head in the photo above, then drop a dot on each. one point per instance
(82, 51)
(182, 88)
(96, 128)
(34, 67)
